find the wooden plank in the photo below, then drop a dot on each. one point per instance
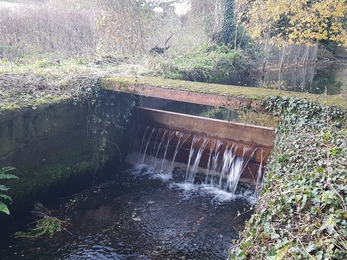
(243, 133)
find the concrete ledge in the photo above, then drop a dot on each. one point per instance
(209, 94)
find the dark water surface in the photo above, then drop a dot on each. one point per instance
(135, 215)
(313, 78)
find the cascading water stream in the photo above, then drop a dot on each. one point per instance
(191, 152)
(236, 171)
(228, 158)
(182, 138)
(191, 171)
(212, 164)
(168, 140)
(148, 141)
(160, 144)
(221, 165)
(142, 142)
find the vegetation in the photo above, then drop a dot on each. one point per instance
(208, 63)
(46, 226)
(50, 52)
(4, 175)
(299, 22)
(108, 112)
(301, 213)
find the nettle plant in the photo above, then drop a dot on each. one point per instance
(302, 212)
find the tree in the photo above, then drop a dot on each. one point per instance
(229, 22)
(224, 22)
(124, 26)
(298, 22)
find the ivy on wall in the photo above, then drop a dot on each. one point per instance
(109, 113)
(302, 212)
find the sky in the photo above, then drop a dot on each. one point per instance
(180, 8)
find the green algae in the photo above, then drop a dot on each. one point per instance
(219, 89)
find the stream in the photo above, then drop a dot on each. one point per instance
(137, 214)
(312, 78)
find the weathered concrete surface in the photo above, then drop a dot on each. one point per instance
(49, 146)
(209, 94)
(258, 141)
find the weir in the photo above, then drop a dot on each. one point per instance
(223, 151)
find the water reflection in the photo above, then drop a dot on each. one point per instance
(314, 78)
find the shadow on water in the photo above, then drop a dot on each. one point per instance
(135, 215)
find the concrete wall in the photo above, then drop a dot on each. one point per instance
(49, 146)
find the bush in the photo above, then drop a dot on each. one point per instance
(208, 63)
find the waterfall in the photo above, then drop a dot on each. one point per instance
(182, 138)
(191, 171)
(222, 162)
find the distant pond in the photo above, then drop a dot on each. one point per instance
(314, 78)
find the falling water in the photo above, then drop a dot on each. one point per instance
(235, 171)
(212, 164)
(148, 141)
(191, 171)
(223, 169)
(142, 142)
(160, 144)
(181, 140)
(168, 140)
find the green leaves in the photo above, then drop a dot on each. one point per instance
(4, 208)
(302, 211)
(5, 175)
(46, 226)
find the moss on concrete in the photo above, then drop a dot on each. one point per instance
(39, 177)
(49, 146)
(219, 89)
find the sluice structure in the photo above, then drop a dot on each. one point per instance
(227, 149)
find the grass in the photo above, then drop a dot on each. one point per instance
(208, 63)
(32, 83)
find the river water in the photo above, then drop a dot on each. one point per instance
(138, 214)
(312, 78)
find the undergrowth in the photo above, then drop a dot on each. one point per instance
(108, 112)
(302, 212)
(208, 63)
(48, 225)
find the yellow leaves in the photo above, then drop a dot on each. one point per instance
(299, 21)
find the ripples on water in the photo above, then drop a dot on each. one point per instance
(142, 214)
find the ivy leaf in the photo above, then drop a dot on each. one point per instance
(320, 169)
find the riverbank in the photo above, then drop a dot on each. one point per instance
(301, 213)
(303, 144)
